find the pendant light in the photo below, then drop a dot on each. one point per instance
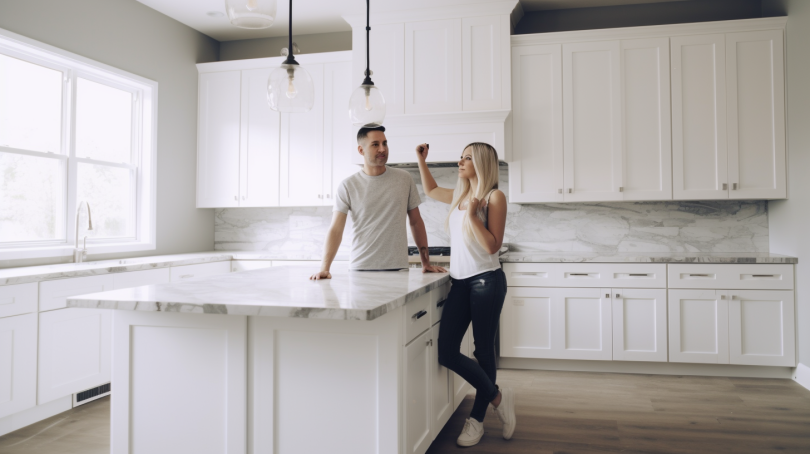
(290, 88)
(252, 14)
(367, 105)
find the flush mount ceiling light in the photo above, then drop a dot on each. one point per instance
(290, 88)
(251, 14)
(367, 105)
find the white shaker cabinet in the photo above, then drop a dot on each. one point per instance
(433, 66)
(18, 363)
(18, 299)
(339, 135)
(441, 384)
(259, 142)
(418, 399)
(761, 327)
(54, 294)
(485, 70)
(218, 130)
(640, 325)
(756, 115)
(698, 326)
(536, 172)
(699, 148)
(592, 121)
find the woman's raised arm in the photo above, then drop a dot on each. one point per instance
(432, 189)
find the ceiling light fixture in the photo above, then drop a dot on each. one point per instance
(367, 105)
(290, 88)
(251, 14)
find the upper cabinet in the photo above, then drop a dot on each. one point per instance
(252, 156)
(433, 66)
(660, 113)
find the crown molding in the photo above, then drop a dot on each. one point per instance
(652, 31)
(496, 8)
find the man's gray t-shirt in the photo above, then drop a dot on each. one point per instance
(379, 206)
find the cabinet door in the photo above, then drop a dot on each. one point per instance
(18, 299)
(698, 326)
(756, 115)
(74, 351)
(640, 325)
(761, 328)
(584, 319)
(528, 328)
(482, 43)
(18, 363)
(647, 135)
(54, 294)
(699, 159)
(218, 139)
(433, 66)
(460, 386)
(259, 145)
(536, 172)
(302, 153)
(442, 384)
(138, 278)
(418, 400)
(339, 138)
(593, 123)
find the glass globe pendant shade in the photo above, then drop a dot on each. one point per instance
(367, 106)
(251, 14)
(290, 89)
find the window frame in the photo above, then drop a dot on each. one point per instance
(142, 159)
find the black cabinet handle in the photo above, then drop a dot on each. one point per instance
(419, 315)
(440, 303)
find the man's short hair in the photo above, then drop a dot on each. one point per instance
(363, 132)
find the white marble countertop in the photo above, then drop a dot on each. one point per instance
(646, 257)
(276, 292)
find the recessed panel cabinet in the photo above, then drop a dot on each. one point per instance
(18, 363)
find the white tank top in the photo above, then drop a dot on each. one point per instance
(467, 260)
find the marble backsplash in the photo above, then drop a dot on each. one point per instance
(606, 228)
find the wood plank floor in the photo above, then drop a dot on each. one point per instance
(561, 412)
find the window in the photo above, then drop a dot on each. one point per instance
(71, 131)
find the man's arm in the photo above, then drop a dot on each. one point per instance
(420, 238)
(333, 239)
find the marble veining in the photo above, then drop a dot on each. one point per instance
(640, 257)
(604, 229)
(276, 292)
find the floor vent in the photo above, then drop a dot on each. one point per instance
(91, 394)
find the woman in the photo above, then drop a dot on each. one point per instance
(476, 223)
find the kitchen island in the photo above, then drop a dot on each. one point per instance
(266, 361)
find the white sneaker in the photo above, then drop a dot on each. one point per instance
(471, 433)
(506, 412)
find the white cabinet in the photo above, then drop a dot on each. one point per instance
(187, 272)
(536, 170)
(485, 70)
(640, 325)
(698, 326)
(259, 142)
(139, 278)
(761, 327)
(755, 91)
(527, 323)
(218, 139)
(54, 294)
(433, 66)
(441, 384)
(18, 363)
(74, 351)
(18, 299)
(418, 399)
(339, 135)
(592, 121)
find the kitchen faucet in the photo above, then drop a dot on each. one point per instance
(80, 255)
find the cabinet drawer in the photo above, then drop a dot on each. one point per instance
(753, 277)
(417, 317)
(18, 299)
(183, 273)
(54, 294)
(588, 275)
(437, 299)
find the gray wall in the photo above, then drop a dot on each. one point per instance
(271, 47)
(790, 218)
(637, 15)
(130, 36)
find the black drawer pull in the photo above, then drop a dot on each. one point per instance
(699, 275)
(580, 274)
(440, 303)
(419, 315)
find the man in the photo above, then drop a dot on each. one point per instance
(379, 197)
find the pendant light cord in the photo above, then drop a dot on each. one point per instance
(290, 57)
(367, 80)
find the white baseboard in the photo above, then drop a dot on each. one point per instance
(35, 414)
(802, 375)
(641, 367)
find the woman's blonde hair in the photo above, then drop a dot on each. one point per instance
(485, 163)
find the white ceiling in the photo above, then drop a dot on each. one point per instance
(324, 16)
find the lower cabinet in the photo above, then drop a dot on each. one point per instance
(639, 325)
(418, 399)
(74, 351)
(698, 326)
(442, 384)
(18, 363)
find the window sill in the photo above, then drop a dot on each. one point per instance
(67, 251)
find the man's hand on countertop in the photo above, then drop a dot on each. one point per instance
(433, 269)
(321, 275)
